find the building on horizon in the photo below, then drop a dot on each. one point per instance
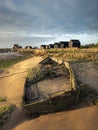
(42, 46)
(74, 43)
(16, 46)
(64, 44)
(51, 46)
(28, 47)
(56, 45)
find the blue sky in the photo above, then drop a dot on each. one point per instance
(35, 22)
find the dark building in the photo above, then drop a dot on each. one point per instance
(43, 46)
(63, 44)
(51, 46)
(16, 46)
(56, 45)
(74, 43)
(28, 47)
(47, 46)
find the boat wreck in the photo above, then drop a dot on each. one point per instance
(50, 87)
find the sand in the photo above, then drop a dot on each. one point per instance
(81, 119)
(13, 79)
(11, 85)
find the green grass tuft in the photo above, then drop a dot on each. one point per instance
(3, 99)
(6, 108)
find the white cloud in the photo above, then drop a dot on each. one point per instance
(84, 38)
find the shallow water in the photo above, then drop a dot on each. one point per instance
(9, 55)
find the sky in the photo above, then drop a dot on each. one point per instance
(35, 22)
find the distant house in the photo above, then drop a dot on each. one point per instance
(74, 43)
(47, 46)
(51, 46)
(16, 46)
(56, 45)
(28, 47)
(63, 44)
(43, 46)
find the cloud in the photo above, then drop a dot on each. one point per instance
(46, 19)
(84, 38)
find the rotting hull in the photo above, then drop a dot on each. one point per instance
(55, 103)
(52, 102)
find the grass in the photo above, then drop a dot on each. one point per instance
(3, 99)
(4, 63)
(74, 54)
(36, 74)
(66, 54)
(39, 52)
(6, 108)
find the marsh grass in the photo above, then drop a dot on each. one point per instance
(36, 74)
(74, 54)
(39, 52)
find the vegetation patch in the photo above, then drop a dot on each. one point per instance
(74, 54)
(6, 108)
(39, 52)
(3, 99)
(5, 111)
(37, 74)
